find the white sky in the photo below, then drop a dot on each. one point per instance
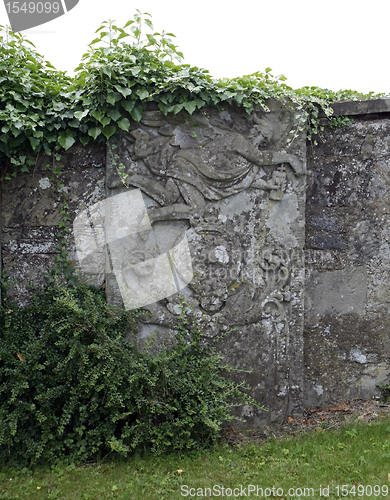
(335, 44)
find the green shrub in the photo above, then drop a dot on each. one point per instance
(72, 388)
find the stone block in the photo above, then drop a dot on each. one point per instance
(233, 186)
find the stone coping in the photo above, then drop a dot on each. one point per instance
(372, 106)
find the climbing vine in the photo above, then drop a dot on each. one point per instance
(42, 110)
(340, 121)
(45, 112)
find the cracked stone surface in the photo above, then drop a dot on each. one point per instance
(347, 263)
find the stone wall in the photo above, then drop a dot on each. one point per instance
(30, 214)
(231, 190)
(347, 305)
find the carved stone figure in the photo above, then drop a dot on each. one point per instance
(203, 161)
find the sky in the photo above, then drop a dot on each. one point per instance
(334, 44)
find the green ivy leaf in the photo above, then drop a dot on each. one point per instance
(190, 107)
(124, 124)
(111, 99)
(81, 114)
(105, 121)
(85, 140)
(136, 113)
(135, 71)
(94, 132)
(97, 115)
(66, 141)
(123, 90)
(107, 71)
(163, 108)
(114, 114)
(142, 93)
(18, 123)
(109, 131)
(128, 105)
(34, 143)
(176, 108)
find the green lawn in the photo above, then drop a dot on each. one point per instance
(356, 455)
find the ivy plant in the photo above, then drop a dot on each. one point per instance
(42, 110)
(126, 69)
(33, 113)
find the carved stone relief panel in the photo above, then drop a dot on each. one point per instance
(223, 193)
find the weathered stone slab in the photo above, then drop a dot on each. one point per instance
(233, 187)
(348, 261)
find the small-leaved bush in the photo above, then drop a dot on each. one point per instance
(72, 388)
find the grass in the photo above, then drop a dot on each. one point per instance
(357, 455)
